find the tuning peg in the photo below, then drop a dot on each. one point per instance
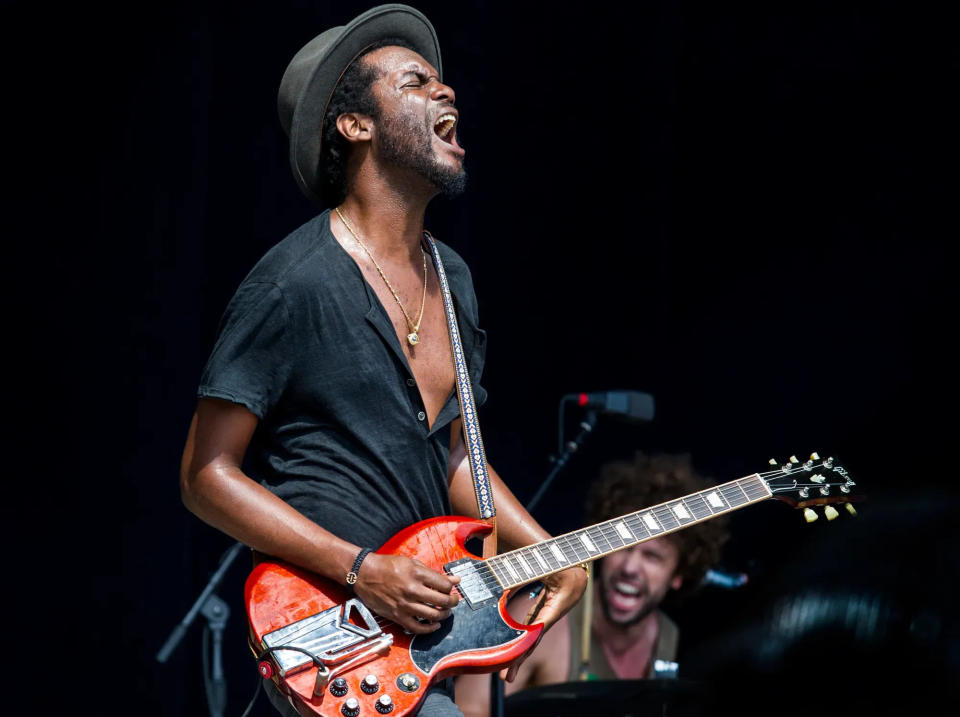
(772, 461)
(814, 456)
(809, 515)
(830, 512)
(850, 509)
(793, 459)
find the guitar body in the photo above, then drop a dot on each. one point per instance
(475, 638)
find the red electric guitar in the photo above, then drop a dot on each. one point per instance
(334, 657)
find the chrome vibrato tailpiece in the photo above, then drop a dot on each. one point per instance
(340, 638)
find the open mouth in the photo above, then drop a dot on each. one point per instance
(445, 127)
(623, 596)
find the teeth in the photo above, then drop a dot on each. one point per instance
(444, 123)
(627, 588)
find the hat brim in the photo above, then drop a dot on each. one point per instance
(398, 21)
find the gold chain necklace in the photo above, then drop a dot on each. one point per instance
(414, 336)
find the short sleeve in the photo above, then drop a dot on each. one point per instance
(251, 360)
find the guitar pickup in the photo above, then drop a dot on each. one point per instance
(478, 585)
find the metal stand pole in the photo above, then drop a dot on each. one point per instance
(216, 611)
(180, 630)
(586, 427)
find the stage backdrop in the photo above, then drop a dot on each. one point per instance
(740, 211)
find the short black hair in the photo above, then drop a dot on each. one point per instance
(352, 94)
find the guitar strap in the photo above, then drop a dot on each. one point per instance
(476, 457)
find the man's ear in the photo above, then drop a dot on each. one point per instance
(675, 582)
(355, 127)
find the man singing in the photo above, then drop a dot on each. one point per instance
(328, 418)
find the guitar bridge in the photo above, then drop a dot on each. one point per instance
(333, 636)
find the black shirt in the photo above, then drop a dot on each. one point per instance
(306, 345)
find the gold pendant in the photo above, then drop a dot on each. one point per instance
(413, 338)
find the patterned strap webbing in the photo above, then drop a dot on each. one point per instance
(476, 456)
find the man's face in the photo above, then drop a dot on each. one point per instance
(633, 582)
(417, 127)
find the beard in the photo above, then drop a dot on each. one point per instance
(650, 602)
(407, 143)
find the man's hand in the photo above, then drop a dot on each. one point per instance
(562, 592)
(403, 590)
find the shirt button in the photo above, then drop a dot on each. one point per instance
(411, 382)
(421, 415)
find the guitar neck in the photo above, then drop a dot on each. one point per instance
(522, 566)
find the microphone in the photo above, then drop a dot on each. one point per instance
(728, 581)
(633, 404)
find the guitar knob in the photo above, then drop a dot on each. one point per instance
(830, 512)
(384, 704)
(408, 682)
(850, 509)
(338, 688)
(370, 684)
(351, 708)
(809, 515)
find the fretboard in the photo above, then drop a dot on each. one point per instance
(533, 562)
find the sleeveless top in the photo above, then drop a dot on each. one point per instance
(665, 648)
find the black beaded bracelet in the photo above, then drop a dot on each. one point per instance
(352, 575)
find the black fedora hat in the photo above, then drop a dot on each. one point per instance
(312, 76)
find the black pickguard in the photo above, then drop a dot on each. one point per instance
(465, 629)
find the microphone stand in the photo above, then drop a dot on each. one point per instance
(586, 427)
(216, 611)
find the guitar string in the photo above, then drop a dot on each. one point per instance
(696, 505)
(574, 551)
(606, 530)
(569, 544)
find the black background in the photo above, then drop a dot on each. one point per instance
(746, 211)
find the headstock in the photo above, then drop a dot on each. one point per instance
(817, 481)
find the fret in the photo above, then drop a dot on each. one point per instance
(733, 494)
(680, 511)
(716, 502)
(637, 526)
(523, 563)
(498, 572)
(666, 518)
(515, 564)
(624, 531)
(509, 567)
(535, 551)
(571, 548)
(754, 489)
(698, 506)
(605, 534)
(653, 525)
